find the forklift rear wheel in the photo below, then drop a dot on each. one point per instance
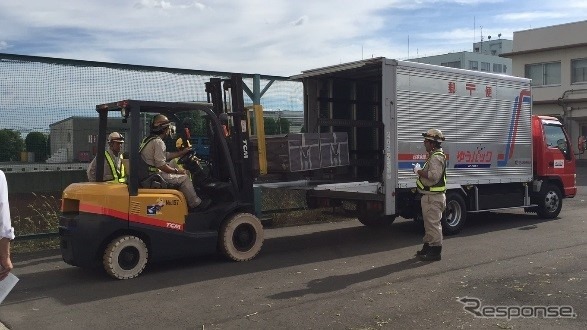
(125, 257)
(241, 237)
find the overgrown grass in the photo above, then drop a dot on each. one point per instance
(294, 210)
(38, 217)
(32, 245)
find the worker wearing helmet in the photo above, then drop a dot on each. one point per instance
(154, 154)
(431, 183)
(113, 167)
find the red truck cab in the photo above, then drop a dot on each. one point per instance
(554, 160)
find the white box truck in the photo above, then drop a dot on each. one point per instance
(499, 155)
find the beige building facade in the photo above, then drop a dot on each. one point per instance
(555, 58)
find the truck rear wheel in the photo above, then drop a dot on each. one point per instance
(125, 257)
(455, 214)
(375, 220)
(241, 237)
(550, 201)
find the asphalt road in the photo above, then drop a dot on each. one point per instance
(335, 275)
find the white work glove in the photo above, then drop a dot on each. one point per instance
(417, 167)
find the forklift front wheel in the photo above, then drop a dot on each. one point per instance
(125, 257)
(241, 237)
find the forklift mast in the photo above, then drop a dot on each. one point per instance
(238, 138)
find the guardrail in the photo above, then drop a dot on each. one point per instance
(42, 167)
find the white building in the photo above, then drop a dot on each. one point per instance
(485, 57)
(555, 58)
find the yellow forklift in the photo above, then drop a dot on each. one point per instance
(125, 226)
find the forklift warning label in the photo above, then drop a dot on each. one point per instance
(155, 208)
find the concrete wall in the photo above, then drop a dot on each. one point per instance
(44, 182)
(561, 35)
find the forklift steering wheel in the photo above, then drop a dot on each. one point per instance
(183, 159)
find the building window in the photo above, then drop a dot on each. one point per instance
(485, 66)
(579, 70)
(544, 73)
(497, 68)
(473, 65)
(455, 64)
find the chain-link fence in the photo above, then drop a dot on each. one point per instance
(48, 131)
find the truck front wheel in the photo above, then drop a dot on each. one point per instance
(550, 201)
(241, 237)
(125, 257)
(455, 214)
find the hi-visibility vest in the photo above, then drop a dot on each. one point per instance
(143, 145)
(119, 176)
(440, 186)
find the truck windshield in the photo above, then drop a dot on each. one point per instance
(555, 138)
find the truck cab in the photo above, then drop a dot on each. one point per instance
(554, 160)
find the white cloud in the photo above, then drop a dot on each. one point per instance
(301, 21)
(279, 37)
(531, 16)
(161, 4)
(3, 45)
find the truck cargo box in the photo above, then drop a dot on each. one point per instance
(384, 105)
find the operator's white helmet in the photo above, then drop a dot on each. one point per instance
(434, 135)
(115, 137)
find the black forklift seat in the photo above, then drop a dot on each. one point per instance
(154, 181)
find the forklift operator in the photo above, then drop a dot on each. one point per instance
(113, 165)
(153, 152)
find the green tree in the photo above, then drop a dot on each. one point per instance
(283, 126)
(11, 145)
(37, 142)
(270, 126)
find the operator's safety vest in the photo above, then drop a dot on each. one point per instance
(440, 186)
(152, 169)
(119, 176)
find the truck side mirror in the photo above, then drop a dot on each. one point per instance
(562, 145)
(582, 144)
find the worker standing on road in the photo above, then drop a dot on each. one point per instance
(113, 167)
(154, 153)
(6, 230)
(431, 184)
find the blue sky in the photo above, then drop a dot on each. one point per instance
(273, 37)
